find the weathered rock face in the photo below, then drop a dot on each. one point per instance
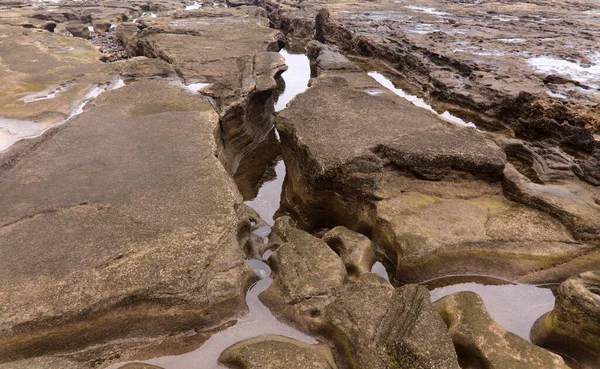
(481, 61)
(400, 330)
(481, 343)
(307, 276)
(573, 326)
(274, 352)
(428, 192)
(37, 64)
(103, 233)
(78, 30)
(232, 50)
(573, 203)
(356, 250)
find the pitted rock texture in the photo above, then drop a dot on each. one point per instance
(428, 192)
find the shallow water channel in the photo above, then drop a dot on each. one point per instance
(259, 320)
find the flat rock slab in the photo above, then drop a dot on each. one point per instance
(120, 223)
(339, 124)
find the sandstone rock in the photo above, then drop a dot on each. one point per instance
(140, 366)
(573, 326)
(236, 3)
(125, 32)
(476, 62)
(232, 51)
(307, 275)
(79, 30)
(574, 204)
(589, 170)
(46, 77)
(101, 26)
(376, 326)
(324, 58)
(120, 224)
(426, 191)
(275, 352)
(142, 67)
(43, 362)
(481, 342)
(355, 249)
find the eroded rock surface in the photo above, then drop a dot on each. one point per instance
(482, 343)
(489, 58)
(429, 192)
(573, 326)
(274, 352)
(307, 274)
(400, 330)
(103, 233)
(235, 52)
(356, 250)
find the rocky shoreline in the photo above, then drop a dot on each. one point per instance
(432, 141)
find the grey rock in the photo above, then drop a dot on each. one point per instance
(79, 30)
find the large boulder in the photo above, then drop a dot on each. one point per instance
(356, 250)
(376, 326)
(428, 192)
(120, 224)
(307, 275)
(573, 326)
(276, 352)
(79, 30)
(482, 343)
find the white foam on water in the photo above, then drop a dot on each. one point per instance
(589, 76)
(512, 40)
(427, 10)
(417, 101)
(194, 6)
(194, 88)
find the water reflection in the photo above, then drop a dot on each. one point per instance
(296, 78)
(514, 306)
